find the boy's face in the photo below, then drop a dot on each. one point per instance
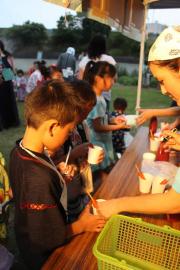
(56, 135)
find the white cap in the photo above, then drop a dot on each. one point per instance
(166, 46)
(71, 50)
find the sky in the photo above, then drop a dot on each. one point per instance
(19, 11)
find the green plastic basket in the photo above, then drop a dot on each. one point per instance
(129, 243)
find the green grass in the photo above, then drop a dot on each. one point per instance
(150, 98)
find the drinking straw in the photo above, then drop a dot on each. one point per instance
(67, 157)
(140, 174)
(164, 182)
(94, 203)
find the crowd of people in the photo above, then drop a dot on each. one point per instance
(51, 204)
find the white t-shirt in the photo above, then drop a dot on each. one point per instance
(103, 57)
(33, 80)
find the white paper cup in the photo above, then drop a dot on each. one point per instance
(131, 120)
(154, 144)
(94, 153)
(145, 184)
(156, 186)
(94, 210)
(149, 156)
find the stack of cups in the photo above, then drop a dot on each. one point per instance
(159, 184)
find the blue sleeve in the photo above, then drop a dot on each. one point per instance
(176, 184)
(98, 111)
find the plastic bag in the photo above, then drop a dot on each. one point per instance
(86, 175)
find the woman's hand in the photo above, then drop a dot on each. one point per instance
(108, 208)
(68, 171)
(174, 140)
(90, 222)
(145, 114)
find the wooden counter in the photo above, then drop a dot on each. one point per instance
(77, 254)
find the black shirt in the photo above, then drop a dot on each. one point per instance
(40, 220)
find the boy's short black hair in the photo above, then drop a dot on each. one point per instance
(120, 104)
(52, 100)
(20, 71)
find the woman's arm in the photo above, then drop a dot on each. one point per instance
(148, 204)
(146, 114)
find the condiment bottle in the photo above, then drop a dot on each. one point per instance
(153, 125)
(162, 153)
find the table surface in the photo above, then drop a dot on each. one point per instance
(121, 181)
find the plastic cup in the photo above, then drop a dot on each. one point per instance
(94, 210)
(154, 144)
(94, 153)
(156, 186)
(149, 156)
(131, 120)
(145, 184)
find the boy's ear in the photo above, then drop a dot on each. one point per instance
(52, 127)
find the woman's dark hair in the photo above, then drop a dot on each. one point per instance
(120, 104)
(97, 47)
(100, 68)
(173, 64)
(3, 49)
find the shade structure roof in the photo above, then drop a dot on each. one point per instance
(165, 4)
(126, 16)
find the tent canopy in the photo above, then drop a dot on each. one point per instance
(165, 4)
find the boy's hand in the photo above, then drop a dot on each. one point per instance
(68, 171)
(90, 222)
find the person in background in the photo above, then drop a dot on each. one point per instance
(21, 85)
(97, 52)
(164, 63)
(36, 77)
(55, 73)
(8, 108)
(67, 63)
(101, 77)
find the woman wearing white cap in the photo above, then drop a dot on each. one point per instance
(164, 63)
(164, 57)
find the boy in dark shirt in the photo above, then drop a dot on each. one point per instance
(52, 111)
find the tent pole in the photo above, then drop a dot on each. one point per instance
(141, 59)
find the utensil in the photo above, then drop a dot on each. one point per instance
(67, 157)
(140, 174)
(94, 203)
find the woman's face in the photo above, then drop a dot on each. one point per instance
(169, 81)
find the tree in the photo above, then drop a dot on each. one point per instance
(28, 34)
(91, 28)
